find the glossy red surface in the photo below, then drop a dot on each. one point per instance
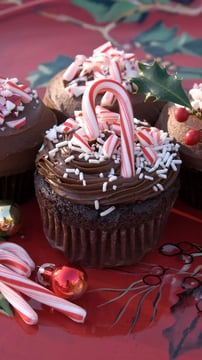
(148, 311)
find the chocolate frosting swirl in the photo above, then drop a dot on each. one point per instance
(100, 181)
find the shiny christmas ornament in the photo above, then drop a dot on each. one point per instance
(65, 281)
(10, 218)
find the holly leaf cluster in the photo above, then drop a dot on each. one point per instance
(154, 81)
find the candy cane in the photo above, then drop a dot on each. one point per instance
(41, 294)
(14, 262)
(126, 120)
(18, 251)
(25, 311)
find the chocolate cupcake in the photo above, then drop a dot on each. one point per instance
(23, 121)
(186, 128)
(181, 117)
(105, 184)
(64, 92)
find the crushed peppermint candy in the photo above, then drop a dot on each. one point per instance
(106, 61)
(13, 97)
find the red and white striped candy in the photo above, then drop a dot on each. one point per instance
(108, 99)
(79, 140)
(41, 294)
(19, 251)
(103, 48)
(70, 124)
(26, 98)
(71, 71)
(110, 145)
(126, 120)
(14, 262)
(149, 154)
(115, 70)
(21, 306)
(144, 137)
(16, 124)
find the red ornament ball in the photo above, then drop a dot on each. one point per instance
(65, 281)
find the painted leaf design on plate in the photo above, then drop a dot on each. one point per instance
(46, 71)
(160, 40)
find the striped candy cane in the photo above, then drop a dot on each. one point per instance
(41, 294)
(126, 120)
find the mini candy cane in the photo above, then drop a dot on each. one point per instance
(41, 294)
(126, 120)
(18, 251)
(25, 311)
(14, 262)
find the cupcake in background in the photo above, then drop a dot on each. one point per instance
(105, 183)
(65, 90)
(23, 122)
(182, 118)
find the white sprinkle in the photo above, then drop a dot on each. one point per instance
(65, 175)
(169, 160)
(101, 175)
(147, 177)
(86, 157)
(84, 182)
(160, 187)
(81, 155)
(52, 152)
(62, 143)
(114, 187)
(70, 171)
(75, 148)
(161, 171)
(81, 176)
(108, 211)
(112, 178)
(69, 158)
(155, 188)
(138, 171)
(162, 176)
(94, 161)
(77, 171)
(173, 166)
(97, 205)
(104, 186)
(141, 176)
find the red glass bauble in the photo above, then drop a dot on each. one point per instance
(65, 281)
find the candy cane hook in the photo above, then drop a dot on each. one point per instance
(126, 119)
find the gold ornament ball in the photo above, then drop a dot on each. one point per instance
(10, 218)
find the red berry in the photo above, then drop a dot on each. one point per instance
(181, 114)
(192, 137)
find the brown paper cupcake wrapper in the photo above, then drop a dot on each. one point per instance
(122, 238)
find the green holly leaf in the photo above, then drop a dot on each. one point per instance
(154, 81)
(5, 307)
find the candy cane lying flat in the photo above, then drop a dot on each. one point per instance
(14, 262)
(18, 251)
(25, 311)
(41, 294)
(126, 120)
